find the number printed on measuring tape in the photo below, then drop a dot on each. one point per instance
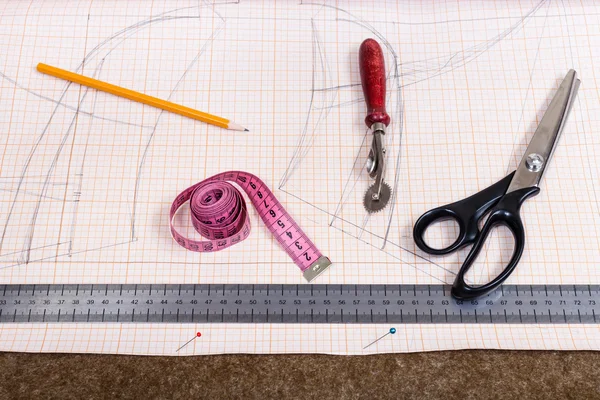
(220, 215)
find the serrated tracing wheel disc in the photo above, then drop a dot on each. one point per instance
(375, 205)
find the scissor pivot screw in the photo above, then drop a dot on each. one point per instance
(534, 162)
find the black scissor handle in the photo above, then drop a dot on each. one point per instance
(505, 213)
(466, 213)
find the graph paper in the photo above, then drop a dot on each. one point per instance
(87, 179)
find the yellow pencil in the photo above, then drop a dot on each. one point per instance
(139, 97)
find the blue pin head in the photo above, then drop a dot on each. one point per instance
(392, 330)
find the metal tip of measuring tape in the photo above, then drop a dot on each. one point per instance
(317, 268)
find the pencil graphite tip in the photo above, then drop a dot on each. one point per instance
(236, 127)
(246, 130)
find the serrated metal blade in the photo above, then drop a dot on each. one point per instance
(374, 204)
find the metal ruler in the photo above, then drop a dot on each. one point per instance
(335, 304)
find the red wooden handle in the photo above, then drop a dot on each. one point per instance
(372, 77)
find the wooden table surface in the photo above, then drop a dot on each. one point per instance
(457, 374)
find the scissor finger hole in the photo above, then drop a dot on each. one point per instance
(441, 233)
(493, 258)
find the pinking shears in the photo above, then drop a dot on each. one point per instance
(502, 201)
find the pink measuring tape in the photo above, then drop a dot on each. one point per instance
(220, 215)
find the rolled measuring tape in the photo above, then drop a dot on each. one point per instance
(219, 214)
